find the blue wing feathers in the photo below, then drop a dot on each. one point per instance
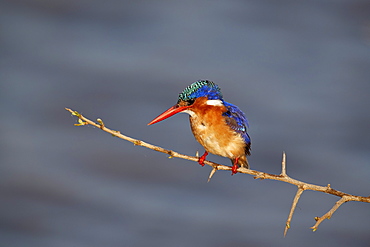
(237, 120)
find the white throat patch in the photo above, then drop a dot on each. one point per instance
(190, 112)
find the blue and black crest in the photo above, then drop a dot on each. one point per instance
(202, 88)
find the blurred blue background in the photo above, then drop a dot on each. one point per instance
(299, 70)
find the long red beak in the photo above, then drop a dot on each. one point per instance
(170, 112)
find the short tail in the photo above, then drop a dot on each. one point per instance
(242, 161)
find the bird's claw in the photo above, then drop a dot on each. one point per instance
(202, 158)
(234, 169)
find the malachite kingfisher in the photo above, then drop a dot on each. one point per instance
(220, 127)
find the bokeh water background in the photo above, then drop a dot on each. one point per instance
(299, 69)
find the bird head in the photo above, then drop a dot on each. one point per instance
(199, 89)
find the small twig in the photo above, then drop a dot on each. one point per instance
(294, 205)
(283, 177)
(330, 212)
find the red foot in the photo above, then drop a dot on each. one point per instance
(235, 167)
(202, 158)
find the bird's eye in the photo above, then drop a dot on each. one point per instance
(190, 101)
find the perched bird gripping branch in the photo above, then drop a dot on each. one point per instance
(220, 127)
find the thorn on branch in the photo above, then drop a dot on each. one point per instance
(211, 174)
(283, 166)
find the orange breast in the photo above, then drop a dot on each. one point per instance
(211, 131)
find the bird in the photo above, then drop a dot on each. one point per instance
(220, 127)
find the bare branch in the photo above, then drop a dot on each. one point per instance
(283, 177)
